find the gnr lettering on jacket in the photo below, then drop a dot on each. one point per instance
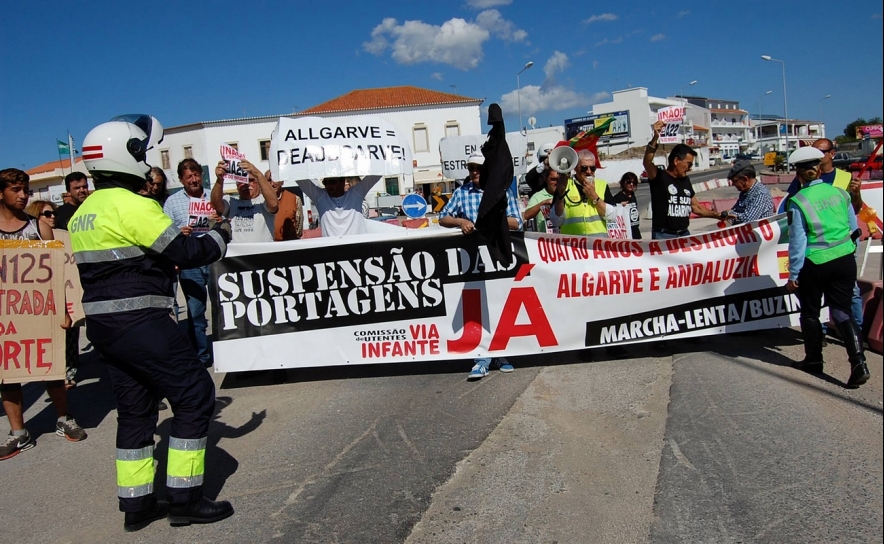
(81, 223)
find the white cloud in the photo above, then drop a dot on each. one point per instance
(535, 98)
(683, 13)
(437, 76)
(658, 37)
(595, 64)
(604, 17)
(482, 4)
(556, 63)
(456, 43)
(492, 21)
(606, 41)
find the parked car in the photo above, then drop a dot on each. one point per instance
(877, 164)
(842, 159)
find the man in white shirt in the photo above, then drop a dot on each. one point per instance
(252, 214)
(340, 209)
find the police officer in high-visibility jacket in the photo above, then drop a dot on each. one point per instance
(822, 241)
(126, 250)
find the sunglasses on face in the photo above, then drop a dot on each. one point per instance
(586, 168)
(630, 182)
(48, 213)
(473, 168)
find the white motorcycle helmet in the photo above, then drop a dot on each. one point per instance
(805, 154)
(544, 151)
(115, 153)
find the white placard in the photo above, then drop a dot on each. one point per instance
(673, 116)
(317, 147)
(455, 151)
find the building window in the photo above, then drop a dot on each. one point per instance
(452, 129)
(188, 152)
(164, 159)
(265, 149)
(391, 184)
(421, 140)
(234, 145)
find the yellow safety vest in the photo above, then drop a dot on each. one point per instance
(582, 217)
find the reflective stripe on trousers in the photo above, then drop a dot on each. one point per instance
(187, 462)
(135, 472)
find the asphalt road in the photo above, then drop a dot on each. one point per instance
(719, 441)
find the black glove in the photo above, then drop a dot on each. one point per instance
(224, 229)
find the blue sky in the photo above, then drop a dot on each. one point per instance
(72, 65)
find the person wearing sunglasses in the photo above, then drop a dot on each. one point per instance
(42, 210)
(672, 195)
(581, 202)
(822, 242)
(831, 175)
(626, 197)
(754, 201)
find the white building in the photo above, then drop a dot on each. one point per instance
(770, 133)
(421, 116)
(642, 110)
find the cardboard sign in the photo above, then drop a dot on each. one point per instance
(234, 172)
(456, 150)
(31, 311)
(674, 118)
(317, 147)
(199, 212)
(73, 290)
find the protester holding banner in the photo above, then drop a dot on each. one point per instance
(537, 216)
(15, 224)
(191, 211)
(252, 215)
(672, 195)
(626, 197)
(126, 249)
(340, 209)
(289, 221)
(580, 206)
(77, 187)
(822, 241)
(461, 212)
(754, 201)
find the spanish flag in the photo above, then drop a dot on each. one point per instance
(783, 264)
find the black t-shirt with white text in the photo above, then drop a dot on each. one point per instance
(631, 203)
(671, 202)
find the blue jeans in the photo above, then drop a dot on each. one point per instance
(193, 284)
(657, 235)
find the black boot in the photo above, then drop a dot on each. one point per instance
(201, 510)
(134, 521)
(853, 343)
(812, 330)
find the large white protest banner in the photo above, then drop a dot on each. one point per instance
(436, 294)
(455, 150)
(318, 147)
(673, 116)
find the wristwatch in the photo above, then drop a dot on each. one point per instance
(596, 201)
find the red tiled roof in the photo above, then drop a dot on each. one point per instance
(54, 165)
(387, 97)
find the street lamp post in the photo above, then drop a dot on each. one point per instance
(760, 104)
(785, 108)
(528, 64)
(685, 108)
(821, 106)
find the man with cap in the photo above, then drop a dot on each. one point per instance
(822, 242)
(461, 212)
(754, 202)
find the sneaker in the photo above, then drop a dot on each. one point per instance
(503, 365)
(479, 371)
(70, 429)
(15, 445)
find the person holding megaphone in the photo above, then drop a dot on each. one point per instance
(580, 202)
